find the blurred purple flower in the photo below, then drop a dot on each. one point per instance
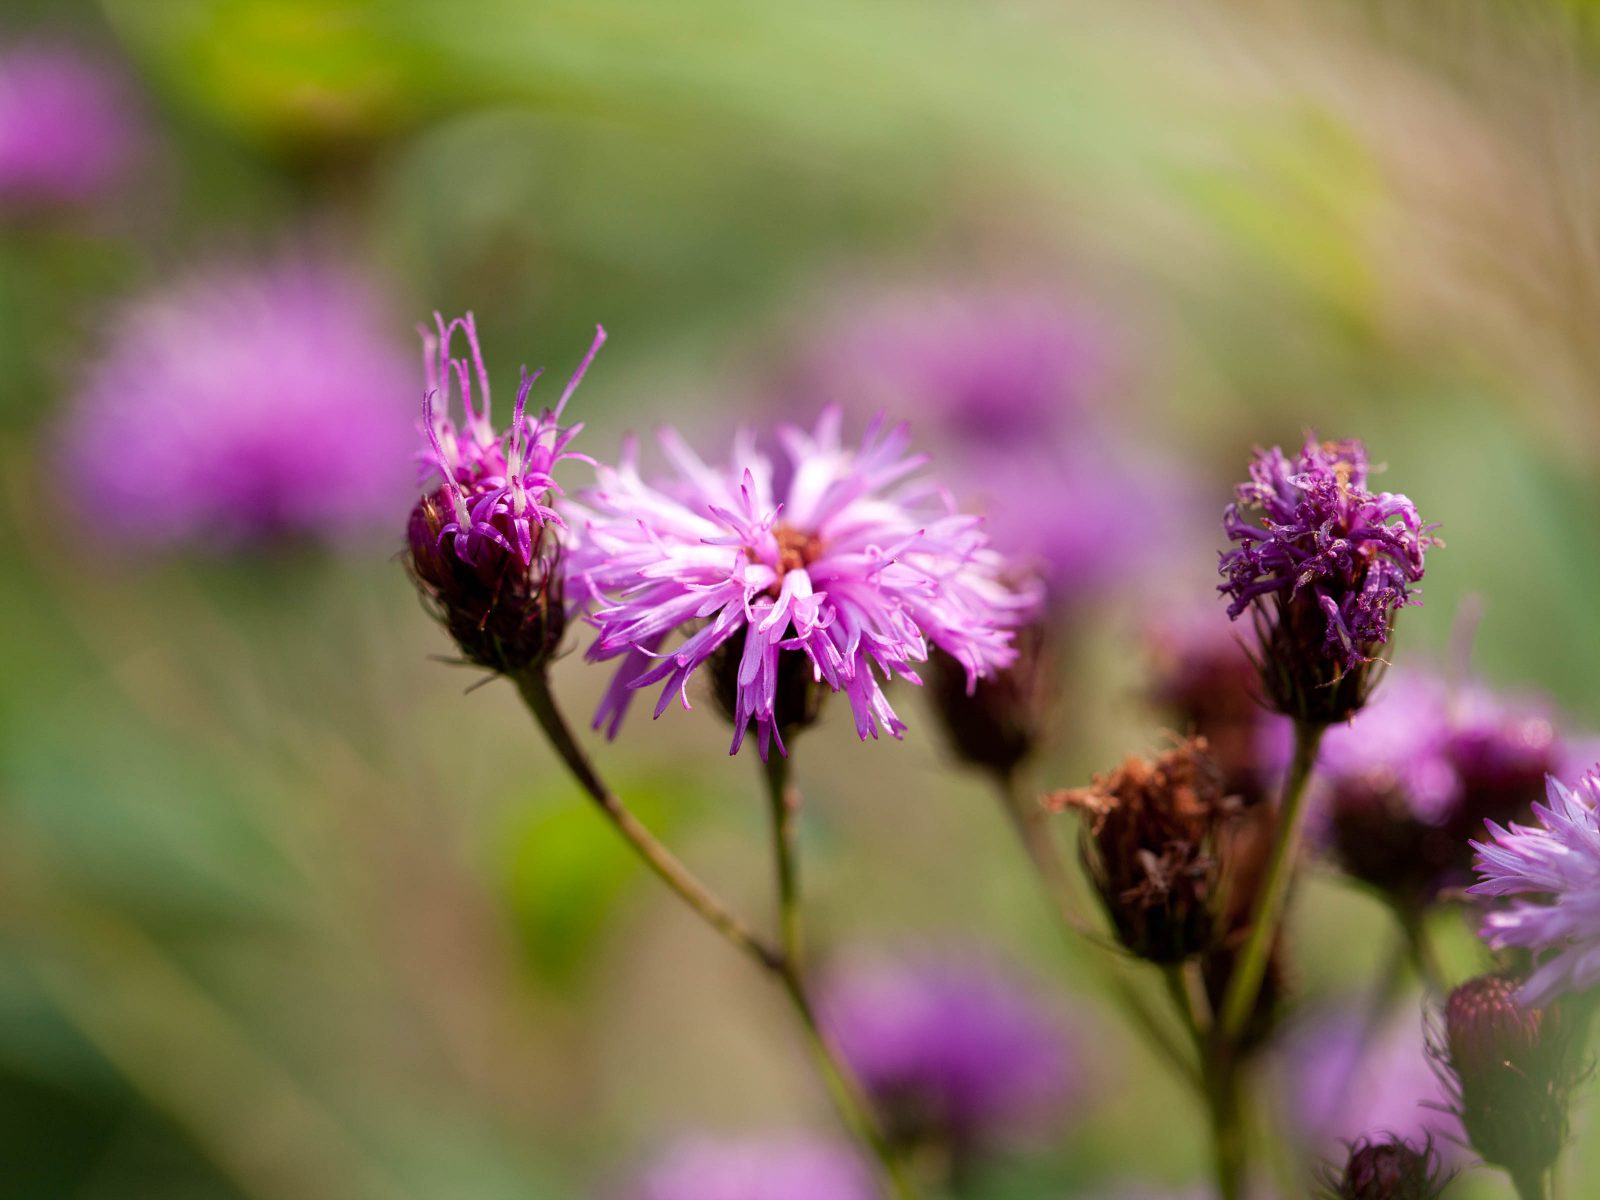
(853, 561)
(244, 404)
(767, 1168)
(67, 130)
(1336, 562)
(953, 1048)
(1402, 788)
(1344, 1080)
(1555, 866)
(1002, 385)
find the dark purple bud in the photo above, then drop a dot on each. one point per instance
(1389, 1169)
(998, 725)
(1511, 1069)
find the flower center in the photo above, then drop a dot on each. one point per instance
(796, 549)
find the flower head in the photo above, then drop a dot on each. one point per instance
(1510, 1070)
(244, 404)
(851, 562)
(1405, 785)
(952, 1050)
(1007, 384)
(477, 540)
(1325, 565)
(67, 131)
(1152, 849)
(1388, 1168)
(1553, 868)
(766, 1168)
(1345, 1080)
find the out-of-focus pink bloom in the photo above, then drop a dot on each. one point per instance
(67, 127)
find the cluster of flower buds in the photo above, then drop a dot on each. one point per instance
(1323, 565)
(1510, 1069)
(1151, 847)
(1387, 1168)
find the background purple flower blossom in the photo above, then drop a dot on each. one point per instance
(1005, 387)
(244, 403)
(954, 1048)
(67, 129)
(1341, 1081)
(1554, 866)
(1308, 527)
(854, 562)
(767, 1168)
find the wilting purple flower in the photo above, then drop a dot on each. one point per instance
(953, 1049)
(1002, 385)
(1344, 1080)
(476, 541)
(66, 126)
(852, 563)
(1325, 565)
(244, 404)
(1555, 867)
(767, 1168)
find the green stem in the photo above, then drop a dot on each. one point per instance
(1244, 985)
(1224, 1107)
(1423, 958)
(853, 1106)
(534, 685)
(1033, 832)
(1530, 1185)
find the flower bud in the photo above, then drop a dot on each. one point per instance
(1510, 1070)
(998, 725)
(1151, 849)
(796, 700)
(1389, 1169)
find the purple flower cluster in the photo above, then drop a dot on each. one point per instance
(1404, 786)
(848, 559)
(244, 404)
(768, 1168)
(1336, 561)
(1553, 867)
(66, 129)
(498, 489)
(952, 1048)
(1344, 1080)
(1002, 384)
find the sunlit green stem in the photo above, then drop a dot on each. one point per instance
(1244, 985)
(534, 685)
(853, 1106)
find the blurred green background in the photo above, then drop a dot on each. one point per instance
(284, 914)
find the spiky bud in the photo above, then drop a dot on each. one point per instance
(1389, 1168)
(998, 724)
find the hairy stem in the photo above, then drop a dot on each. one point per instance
(534, 685)
(853, 1106)
(1244, 985)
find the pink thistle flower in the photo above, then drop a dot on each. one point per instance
(1553, 867)
(477, 544)
(854, 561)
(67, 131)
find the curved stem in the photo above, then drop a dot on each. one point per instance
(1032, 829)
(1244, 985)
(534, 686)
(853, 1106)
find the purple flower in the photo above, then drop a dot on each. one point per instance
(768, 1168)
(1325, 565)
(66, 127)
(477, 539)
(1403, 787)
(852, 562)
(1344, 1080)
(953, 1049)
(1554, 867)
(243, 404)
(1002, 384)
